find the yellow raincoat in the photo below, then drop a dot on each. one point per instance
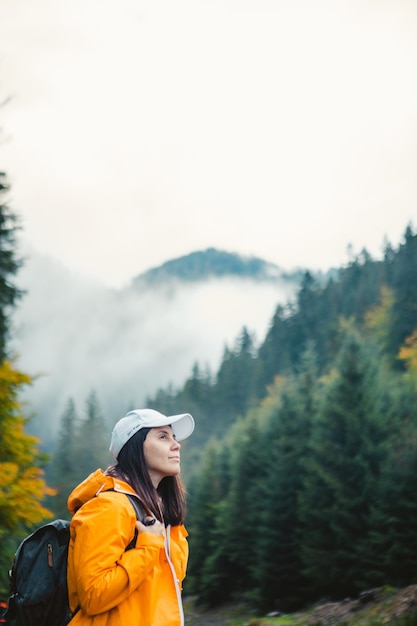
(112, 586)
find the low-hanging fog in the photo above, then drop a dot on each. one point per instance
(75, 336)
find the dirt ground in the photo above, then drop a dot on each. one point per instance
(376, 606)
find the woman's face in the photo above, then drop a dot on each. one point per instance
(162, 453)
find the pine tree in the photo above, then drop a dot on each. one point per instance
(207, 488)
(244, 504)
(404, 285)
(196, 397)
(398, 500)
(233, 389)
(341, 473)
(278, 571)
(390, 552)
(9, 265)
(92, 443)
(391, 549)
(63, 471)
(275, 354)
(308, 317)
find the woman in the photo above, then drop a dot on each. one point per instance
(122, 571)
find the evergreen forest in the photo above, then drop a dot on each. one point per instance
(302, 471)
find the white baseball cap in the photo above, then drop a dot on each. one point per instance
(125, 428)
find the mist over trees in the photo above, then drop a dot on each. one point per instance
(301, 471)
(75, 335)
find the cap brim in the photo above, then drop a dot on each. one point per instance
(182, 425)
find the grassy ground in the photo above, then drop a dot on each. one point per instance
(377, 607)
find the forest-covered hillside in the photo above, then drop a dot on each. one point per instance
(378, 297)
(302, 470)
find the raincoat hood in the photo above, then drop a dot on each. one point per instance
(92, 486)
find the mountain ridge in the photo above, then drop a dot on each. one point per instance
(203, 264)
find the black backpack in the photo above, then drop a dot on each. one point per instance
(38, 578)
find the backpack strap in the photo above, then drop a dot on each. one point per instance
(140, 514)
(140, 510)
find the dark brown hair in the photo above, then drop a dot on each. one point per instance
(168, 499)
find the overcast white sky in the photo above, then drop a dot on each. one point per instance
(141, 130)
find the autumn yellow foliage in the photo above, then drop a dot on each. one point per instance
(378, 320)
(408, 354)
(22, 482)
